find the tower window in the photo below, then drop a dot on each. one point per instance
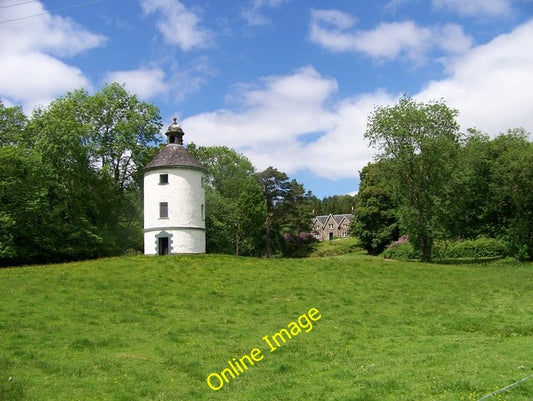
(203, 212)
(163, 210)
(163, 179)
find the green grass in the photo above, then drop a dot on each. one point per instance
(153, 328)
(338, 246)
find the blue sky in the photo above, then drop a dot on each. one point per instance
(287, 83)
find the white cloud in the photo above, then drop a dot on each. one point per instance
(389, 40)
(254, 14)
(452, 39)
(45, 33)
(278, 111)
(34, 79)
(292, 122)
(392, 5)
(476, 8)
(144, 82)
(492, 85)
(333, 30)
(178, 25)
(148, 83)
(289, 122)
(342, 150)
(31, 70)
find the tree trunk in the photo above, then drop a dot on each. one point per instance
(426, 246)
(267, 233)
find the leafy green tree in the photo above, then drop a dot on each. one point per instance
(120, 131)
(219, 227)
(375, 222)
(95, 146)
(492, 195)
(419, 143)
(512, 189)
(24, 182)
(249, 231)
(12, 123)
(235, 212)
(471, 214)
(77, 203)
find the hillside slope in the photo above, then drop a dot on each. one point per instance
(155, 328)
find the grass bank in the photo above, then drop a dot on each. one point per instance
(154, 328)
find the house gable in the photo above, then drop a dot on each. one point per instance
(331, 226)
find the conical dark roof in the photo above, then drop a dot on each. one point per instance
(174, 155)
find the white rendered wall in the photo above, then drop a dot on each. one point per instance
(185, 225)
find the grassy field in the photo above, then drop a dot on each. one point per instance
(154, 328)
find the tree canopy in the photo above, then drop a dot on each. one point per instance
(77, 162)
(442, 184)
(71, 184)
(235, 211)
(419, 143)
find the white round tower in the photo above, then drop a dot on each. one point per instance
(174, 200)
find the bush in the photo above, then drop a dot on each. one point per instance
(463, 249)
(298, 246)
(478, 248)
(401, 249)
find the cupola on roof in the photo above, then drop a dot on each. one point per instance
(175, 133)
(174, 154)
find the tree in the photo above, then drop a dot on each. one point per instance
(512, 189)
(249, 231)
(121, 130)
(95, 147)
(275, 186)
(297, 212)
(472, 213)
(233, 201)
(336, 204)
(493, 187)
(375, 222)
(77, 205)
(419, 143)
(24, 182)
(12, 123)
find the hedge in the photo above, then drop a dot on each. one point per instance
(489, 248)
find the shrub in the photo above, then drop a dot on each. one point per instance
(463, 249)
(478, 248)
(298, 246)
(401, 250)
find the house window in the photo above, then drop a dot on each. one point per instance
(163, 210)
(163, 179)
(330, 226)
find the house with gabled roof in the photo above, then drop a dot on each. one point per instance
(332, 226)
